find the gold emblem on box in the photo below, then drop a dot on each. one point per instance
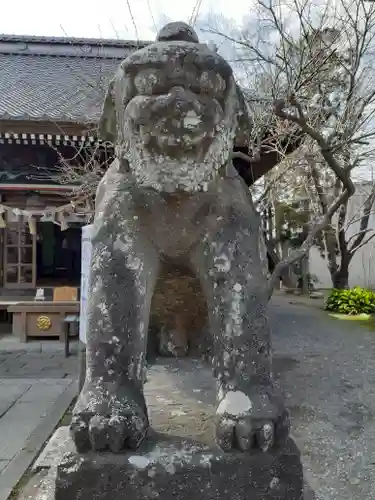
(43, 323)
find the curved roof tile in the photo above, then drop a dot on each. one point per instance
(57, 79)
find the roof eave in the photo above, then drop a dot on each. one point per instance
(47, 119)
(113, 42)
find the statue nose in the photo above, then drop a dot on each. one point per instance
(183, 100)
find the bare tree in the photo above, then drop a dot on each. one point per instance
(308, 77)
(314, 64)
(84, 169)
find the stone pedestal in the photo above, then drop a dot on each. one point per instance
(181, 470)
(179, 460)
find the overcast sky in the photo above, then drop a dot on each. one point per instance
(110, 18)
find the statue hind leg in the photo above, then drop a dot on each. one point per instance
(111, 411)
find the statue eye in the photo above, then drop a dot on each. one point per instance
(148, 82)
(212, 83)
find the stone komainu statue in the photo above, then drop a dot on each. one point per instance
(172, 196)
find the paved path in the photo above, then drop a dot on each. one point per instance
(327, 368)
(37, 384)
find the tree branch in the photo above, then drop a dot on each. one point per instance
(342, 175)
(306, 245)
(364, 242)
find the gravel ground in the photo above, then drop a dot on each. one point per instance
(327, 369)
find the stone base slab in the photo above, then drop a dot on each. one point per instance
(169, 469)
(179, 460)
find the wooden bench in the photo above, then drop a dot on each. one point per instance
(69, 321)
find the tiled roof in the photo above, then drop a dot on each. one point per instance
(57, 79)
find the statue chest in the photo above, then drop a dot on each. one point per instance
(176, 223)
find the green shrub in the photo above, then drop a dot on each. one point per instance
(351, 301)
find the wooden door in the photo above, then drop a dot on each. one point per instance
(19, 256)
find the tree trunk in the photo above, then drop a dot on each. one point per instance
(287, 277)
(340, 279)
(305, 275)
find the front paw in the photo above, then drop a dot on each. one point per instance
(257, 420)
(107, 417)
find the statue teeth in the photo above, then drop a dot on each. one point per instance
(192, 120)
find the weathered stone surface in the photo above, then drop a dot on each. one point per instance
(169, 469)
(179, 458)
(177, 31)
(59, 444)
(178, 318)
(172, 195)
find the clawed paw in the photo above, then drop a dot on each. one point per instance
(104, 421)
(252, 422)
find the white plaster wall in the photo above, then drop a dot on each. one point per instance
(362, 267)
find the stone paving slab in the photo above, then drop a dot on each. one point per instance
(8, 382)
(9, 394)
(11, 344)
(18, 423)
(37, 384)
(3, 464)
(29, 449)
(42, 392)
(39, 365)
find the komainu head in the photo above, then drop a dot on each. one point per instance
(173, 111)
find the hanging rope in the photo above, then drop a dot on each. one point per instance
(57, 215)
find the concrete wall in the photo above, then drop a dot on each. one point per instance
(362, 268)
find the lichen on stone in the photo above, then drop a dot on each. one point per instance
(172, 197)
(235, 403)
